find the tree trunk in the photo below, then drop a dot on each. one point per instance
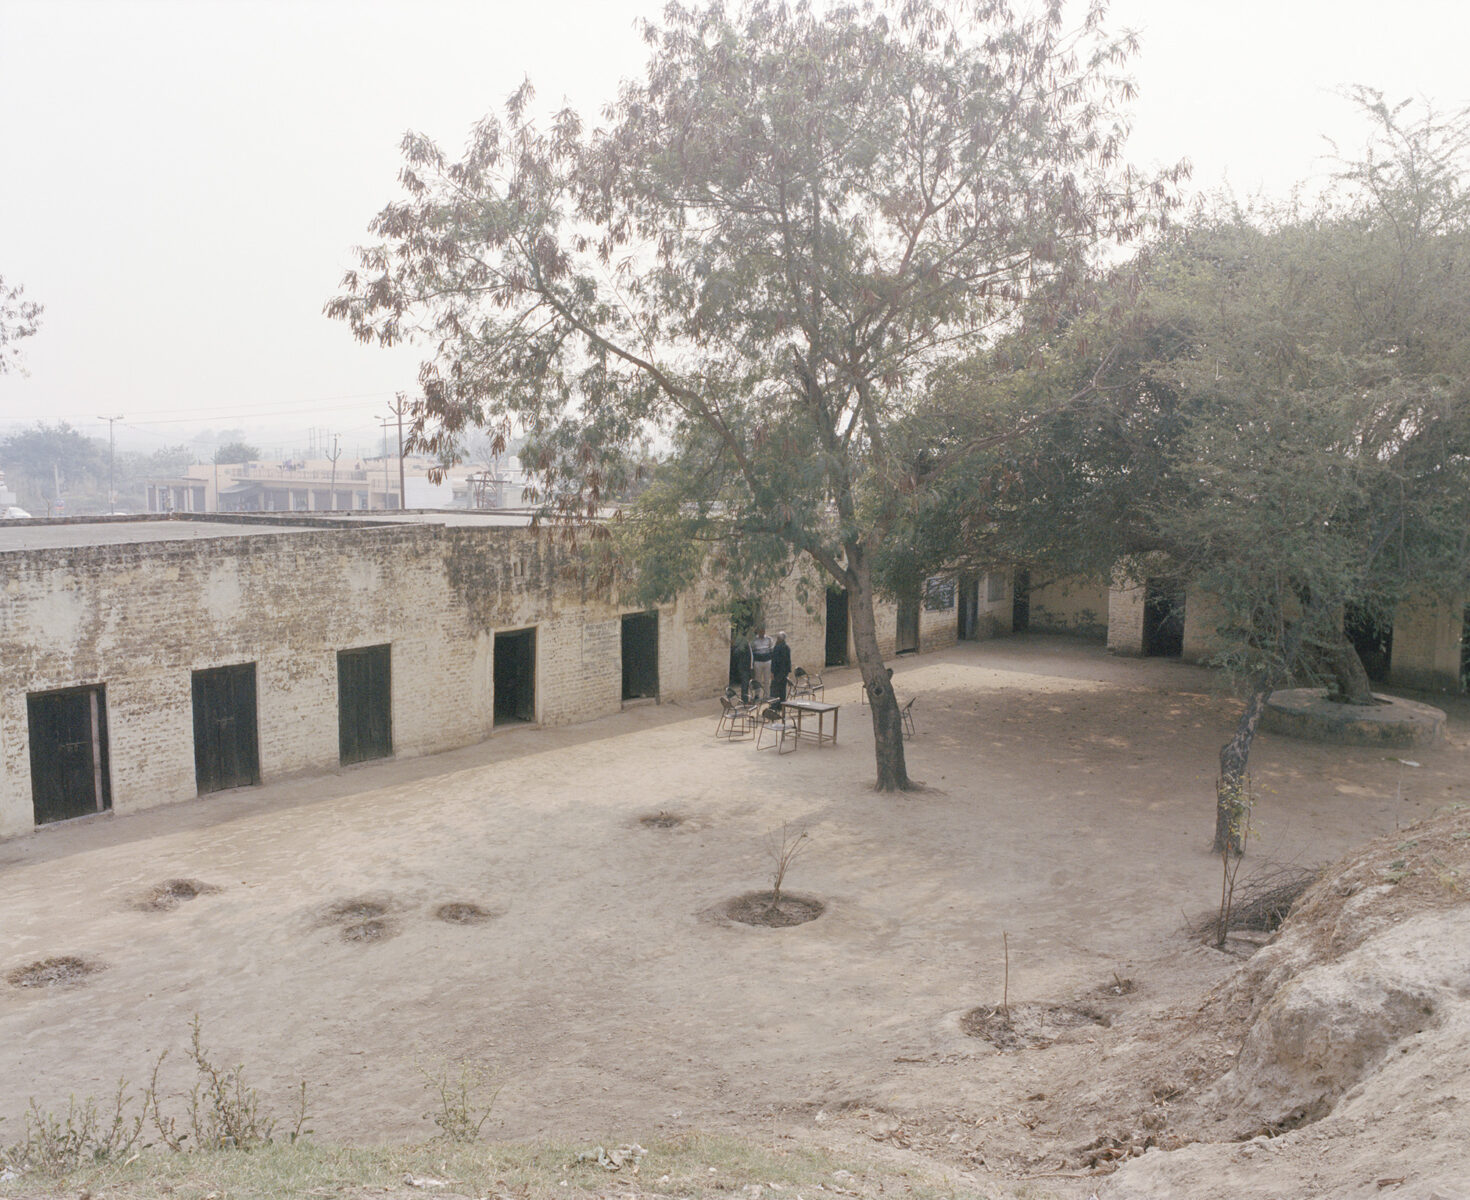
(887, 723)
(1350, 683)
(1230, 787)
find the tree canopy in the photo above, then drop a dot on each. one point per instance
(778, 235)
(1282, 420)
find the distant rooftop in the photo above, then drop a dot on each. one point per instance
(76, 533)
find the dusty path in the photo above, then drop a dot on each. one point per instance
(1069, 806)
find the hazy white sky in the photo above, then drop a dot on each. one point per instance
(181, 180)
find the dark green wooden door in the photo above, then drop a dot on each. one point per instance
(365, 703)
(68, 736)
(226, 749)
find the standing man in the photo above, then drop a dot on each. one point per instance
(780, 666)
(760, 658)
(740, 664)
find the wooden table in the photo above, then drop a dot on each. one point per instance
(819, 709)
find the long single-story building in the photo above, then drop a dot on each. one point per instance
(1425, 648)
(151, 660)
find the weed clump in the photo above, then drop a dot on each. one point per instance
(221, 1112)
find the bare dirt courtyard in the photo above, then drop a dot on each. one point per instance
(1068, 807)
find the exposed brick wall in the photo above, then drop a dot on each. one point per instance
(1202, 618)
(1125, 618)
(1071, 605)
(1427, 634)
(139, 618)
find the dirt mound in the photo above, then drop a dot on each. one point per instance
(61, 971)
(169, 894)
(1358, 1035)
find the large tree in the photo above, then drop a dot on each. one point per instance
(781, 231)
(1282, 422)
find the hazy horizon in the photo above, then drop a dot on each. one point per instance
(185, 181)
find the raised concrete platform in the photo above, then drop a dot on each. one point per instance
(1306, 713)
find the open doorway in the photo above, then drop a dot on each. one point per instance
(836, 655)
(69, 770)
(226, 745)
(640, 656)
(1465, 651)
(1163, 619)
(745, 618)
(515, 677)
(1372, 638)
(969, 608)
(1021, 601)
(364, 704)
(906, 639)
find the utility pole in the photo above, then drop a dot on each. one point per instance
(334, 456)
(398, 408)
(111, 452)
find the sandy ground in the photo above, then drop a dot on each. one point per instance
(1069, 806)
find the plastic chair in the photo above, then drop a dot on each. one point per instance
(804, 683)
(906, 714)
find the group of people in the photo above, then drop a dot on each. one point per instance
(763, 660)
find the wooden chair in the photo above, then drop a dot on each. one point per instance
(804, 683)
(771, 721)
(906, 714)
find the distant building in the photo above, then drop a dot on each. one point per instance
(298, 486)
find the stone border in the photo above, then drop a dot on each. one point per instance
(1306, 713)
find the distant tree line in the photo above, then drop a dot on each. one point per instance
(50, 463)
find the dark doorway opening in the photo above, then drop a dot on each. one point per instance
(1163, 619)
(1021, 602)
(364, 703)
(836, 654)
(640, 656)
(226, 746)
(1465, 651)
(68, 736)
(907, 639)
(515, 677)
(1372, 638)
(745, 617)
(969, 608)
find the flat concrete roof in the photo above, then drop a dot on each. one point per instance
(456, 518)
(74, 534)
(67, 535)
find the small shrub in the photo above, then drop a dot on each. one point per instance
(783, 853)
(464, 1098)
(56, 1143)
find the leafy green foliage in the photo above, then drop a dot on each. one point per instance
(37, 460)
(782, 231)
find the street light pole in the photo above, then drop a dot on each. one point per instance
(111, 450)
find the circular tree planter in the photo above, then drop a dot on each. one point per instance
(1307, 713)
(171, 893)
(462, 912)
(62, 971)
(755, 908)
(360, 919)
(1028, 1026)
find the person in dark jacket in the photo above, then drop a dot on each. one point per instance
(740, 666)
(780, 667)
